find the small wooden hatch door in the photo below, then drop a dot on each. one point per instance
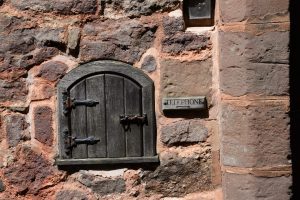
(106, 115)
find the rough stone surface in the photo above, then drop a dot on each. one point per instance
(2, 186)
(236, 187)
(43, 125)
(61, 7)
(73, 38)
(183, 132)
(70, 195)
(50, 36)
(102, 185)
(257, 63)
(177, 41)
(42, 92)
(174, 76)
(31, 172)
(23, 41)
(173, 25)
(185, 42)
(253, 10)
(16, 126)
(177, 176)
(19, 109)
(133, 8)
(17, 42)
(7, 20)
(255, 135)
(13, 91)
(127, 42)
(37, 57)
(149, 64)
(22, 46)
(52, 70)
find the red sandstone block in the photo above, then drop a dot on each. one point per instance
(266, 47)
(253, 10)
(43, 125)
(244, 186)
(251, 64)
(52, 70)
(255, 135)
(259, 79)
(192, 78)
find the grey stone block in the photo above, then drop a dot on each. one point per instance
(183, 132)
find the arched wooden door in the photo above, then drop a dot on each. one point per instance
(106, 115)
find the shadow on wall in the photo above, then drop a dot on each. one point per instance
(295, 94)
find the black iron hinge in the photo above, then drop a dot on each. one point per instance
(71, 142)
(69, 104)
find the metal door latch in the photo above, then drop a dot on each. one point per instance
(126, 120)
(134, 119)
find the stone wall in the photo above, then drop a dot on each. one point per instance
(241, 145)
(41, 41)
(254, 84)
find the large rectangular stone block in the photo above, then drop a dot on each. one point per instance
(179, 79)
(254, 10)
(266, 47)
(254, 64)
(244, 186)
(255, 134)
(259, 79)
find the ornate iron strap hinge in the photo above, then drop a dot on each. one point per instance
(69, 104)
(71, 142)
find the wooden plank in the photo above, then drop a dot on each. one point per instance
(78, 120)
(114, 108)
(63, 124)
(149, 131)
(99, 161)
(96, 116)
(132, 95)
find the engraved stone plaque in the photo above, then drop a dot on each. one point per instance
(184, 103)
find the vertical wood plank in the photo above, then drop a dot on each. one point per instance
(149, 131)
(78, 120)
(96, 116)
(114, 107)
(132, 95)
(63, 124)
